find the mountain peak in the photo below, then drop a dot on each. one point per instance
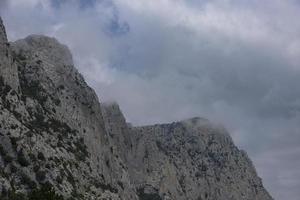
(45, 48)
(54, 131)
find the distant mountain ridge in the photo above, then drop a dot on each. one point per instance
(54, 131)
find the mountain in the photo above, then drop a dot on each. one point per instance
(54, 132)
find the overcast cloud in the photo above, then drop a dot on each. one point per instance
(235, 62)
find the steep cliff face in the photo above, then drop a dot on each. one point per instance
(54, 131)
(8, 69)
(191, 159)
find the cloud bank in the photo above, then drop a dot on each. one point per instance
(233, 62)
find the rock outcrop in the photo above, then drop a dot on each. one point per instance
(8, 68)
(54, 131)
(191, 159)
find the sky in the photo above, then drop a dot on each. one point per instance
(234, 62)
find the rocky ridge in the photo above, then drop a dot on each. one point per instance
(54, 131)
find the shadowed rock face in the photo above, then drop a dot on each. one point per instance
(8, 68)
(54, 130)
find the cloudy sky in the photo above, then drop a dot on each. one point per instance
(235, 62)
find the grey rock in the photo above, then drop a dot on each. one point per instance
(54, 130)
(191, 159)
(8, 68)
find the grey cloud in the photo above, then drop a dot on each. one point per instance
(3, 4)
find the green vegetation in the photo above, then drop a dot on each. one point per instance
(148, 196)
(40, 175)
(22, 159)
(41, 156)
(6, 157)
(46, 192)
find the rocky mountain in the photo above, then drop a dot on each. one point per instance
(54, 132)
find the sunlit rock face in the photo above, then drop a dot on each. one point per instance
(53, 130)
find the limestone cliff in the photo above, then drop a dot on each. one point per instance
(54, 131)
(8, 69)
(190, 159)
